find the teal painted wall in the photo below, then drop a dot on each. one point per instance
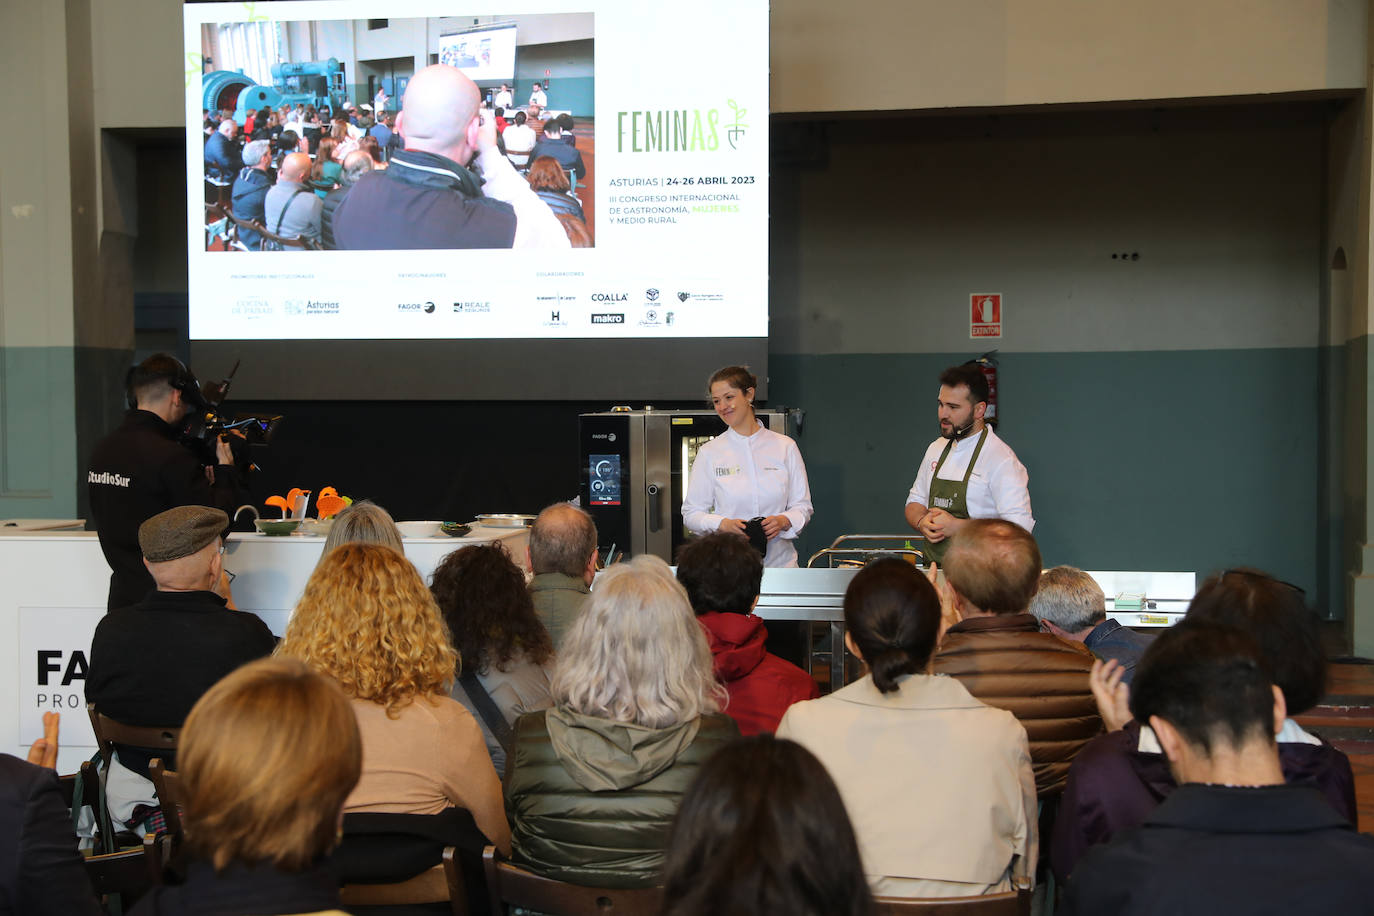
(1156, 460)
(38, 450)
(572, 84)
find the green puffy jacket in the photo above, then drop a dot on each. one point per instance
(590, 801)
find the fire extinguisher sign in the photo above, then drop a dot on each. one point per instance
(985, 315)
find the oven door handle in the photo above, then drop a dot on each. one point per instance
(654, 492)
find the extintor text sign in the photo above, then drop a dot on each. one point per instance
(985, 315)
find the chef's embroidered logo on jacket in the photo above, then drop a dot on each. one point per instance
(727, 472)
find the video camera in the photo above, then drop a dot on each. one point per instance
(207, 422)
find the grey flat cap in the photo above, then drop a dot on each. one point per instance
(180, 532)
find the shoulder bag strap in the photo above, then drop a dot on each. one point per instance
(486, 708)
(282, 215)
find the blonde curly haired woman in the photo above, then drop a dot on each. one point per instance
(368, 621)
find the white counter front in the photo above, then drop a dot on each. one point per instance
(55, 585)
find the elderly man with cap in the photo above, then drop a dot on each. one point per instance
(151, 661)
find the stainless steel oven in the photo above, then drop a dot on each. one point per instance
(634, 466)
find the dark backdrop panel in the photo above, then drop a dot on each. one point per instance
(489, 370)
(427, 460)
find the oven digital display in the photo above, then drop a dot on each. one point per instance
(604, 473)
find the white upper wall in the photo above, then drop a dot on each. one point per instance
(902, 54)
(887, 55)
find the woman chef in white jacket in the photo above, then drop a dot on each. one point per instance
(747, 472)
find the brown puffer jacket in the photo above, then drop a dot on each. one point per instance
(1006, 662)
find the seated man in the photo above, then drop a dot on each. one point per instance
(553, 144)
(293, 209)
(1000, 655)
(1070, 604)
(221, 153)
(1232, 838)
(251, 187)
(151, 661)
(563, 556)
(722, 574)
(1122, 776)
(355, 165)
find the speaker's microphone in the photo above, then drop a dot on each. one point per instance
(960, 432)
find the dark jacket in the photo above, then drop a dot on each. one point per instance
(250, 189)
(591, 803)
(1006, 662)
(152, 661)
(1113, 786)
(421, 201)
(222, 157)
(136, 472)
(1109, 639)
(761, 685)
(331, 205)
(1221, 849)
(240, 890)
(40, 869)
(564, 154)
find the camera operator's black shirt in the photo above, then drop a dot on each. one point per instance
(136, 472)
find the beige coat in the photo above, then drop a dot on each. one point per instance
(937, 784)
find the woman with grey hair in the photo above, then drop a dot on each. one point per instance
(636, 714)
(363, 523)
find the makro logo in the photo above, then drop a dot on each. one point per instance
(610, 297)
(651, 295)
(608, 318)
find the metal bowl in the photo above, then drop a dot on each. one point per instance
(506, 521)
(277, 527)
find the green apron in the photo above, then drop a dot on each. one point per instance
(951, 495)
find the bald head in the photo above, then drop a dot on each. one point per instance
(562, 540)
(439, 113)
(993, 565)
(228, 128)
(295, 167)
(196, 572)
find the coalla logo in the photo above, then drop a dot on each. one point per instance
(609, 297)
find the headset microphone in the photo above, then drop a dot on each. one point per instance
(960, 432)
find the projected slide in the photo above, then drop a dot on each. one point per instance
(483, 54)
(612, 181)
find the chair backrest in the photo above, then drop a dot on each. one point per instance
(129, 873)
(508, 884)
(430, 886)
(169, 796)
(1008, 903)
(89, 778)
(108, 733)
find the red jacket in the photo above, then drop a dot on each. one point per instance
(761, 685)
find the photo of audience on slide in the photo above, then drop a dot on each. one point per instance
(451, 132)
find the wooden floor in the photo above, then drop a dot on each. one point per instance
(1345, 717)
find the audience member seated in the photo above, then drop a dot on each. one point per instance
(364, 522)
(722, 574)
(1232, 838)
(43, 874)
(997, 650)
(289, 142)
(552, 145)
(762, 829)
(429, 197)
(221, 153)
(152, 661)
(382, 130)
(374, 152)
(566, 123)
(367, 620)
(292, 211)
(507, 654)
(1122, 776)
(312, 129)
(519, 139)
(938, 785)
(563, 556)
(326, 171)
(250, 189)
(342, 133)
(550, 182)
(595, 780)
(356, 164)
(1070, 604)
(267, 758)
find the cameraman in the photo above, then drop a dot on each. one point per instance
(142, 468)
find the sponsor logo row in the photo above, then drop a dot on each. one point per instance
(559, 305)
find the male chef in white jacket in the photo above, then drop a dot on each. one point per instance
(968, 472)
